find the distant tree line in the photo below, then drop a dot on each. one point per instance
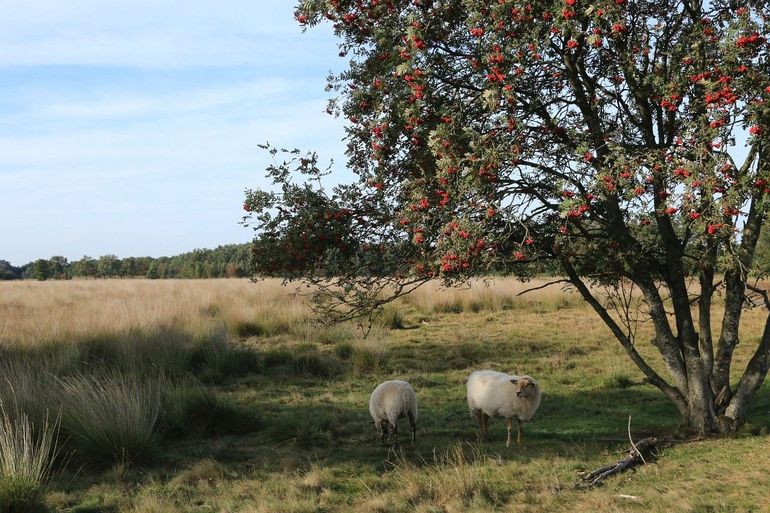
(228, 261)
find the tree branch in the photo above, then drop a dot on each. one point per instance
(653, 377)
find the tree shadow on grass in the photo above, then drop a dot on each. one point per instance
(322, 431)
(569, 424)
(570, 429)
(565, 425)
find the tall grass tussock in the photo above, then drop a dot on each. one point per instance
(27, 453)
(112, 418)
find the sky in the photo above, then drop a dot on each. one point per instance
(132, 127)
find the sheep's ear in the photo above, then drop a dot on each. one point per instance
(515, 380)
(533, 382)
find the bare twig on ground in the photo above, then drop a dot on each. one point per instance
(634, 458)
(631, 440)
(632, 498)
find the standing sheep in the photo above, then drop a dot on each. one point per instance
(494, 394)
(389, 402)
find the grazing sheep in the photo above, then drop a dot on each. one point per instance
(389, 402)
(494, 394)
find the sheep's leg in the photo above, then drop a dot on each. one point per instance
(383, 428)
(413, 423)
(510, 427)
(518, 430)
(484, 426)
(394, 432)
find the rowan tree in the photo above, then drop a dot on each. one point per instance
(625, 141)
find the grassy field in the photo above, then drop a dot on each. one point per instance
(224, 396)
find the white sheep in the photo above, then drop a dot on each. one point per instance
(495, 394)
(389, 402)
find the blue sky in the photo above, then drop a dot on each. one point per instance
(131, 127)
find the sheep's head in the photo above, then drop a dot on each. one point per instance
(384, 430)
(525, 387)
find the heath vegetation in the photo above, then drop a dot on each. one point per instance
(144, 396)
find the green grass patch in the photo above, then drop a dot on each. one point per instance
(19, 495)
(318, 364)
(260, 327)
(618, 380)
(190, 410)
(344, 350)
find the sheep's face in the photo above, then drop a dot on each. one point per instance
(524, 387)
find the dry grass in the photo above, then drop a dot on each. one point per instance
(492, 295)
(56, 311)
(461, 475)
(60, 311)
(170, 318)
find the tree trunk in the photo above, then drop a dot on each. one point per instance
(701, 414)
(705, 338)
(752, 379)
(728, 338)
(689, 386)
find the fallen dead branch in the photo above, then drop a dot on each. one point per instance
(636, 455)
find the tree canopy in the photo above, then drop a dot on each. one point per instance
(625, 141)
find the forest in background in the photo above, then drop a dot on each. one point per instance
(227, 261)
